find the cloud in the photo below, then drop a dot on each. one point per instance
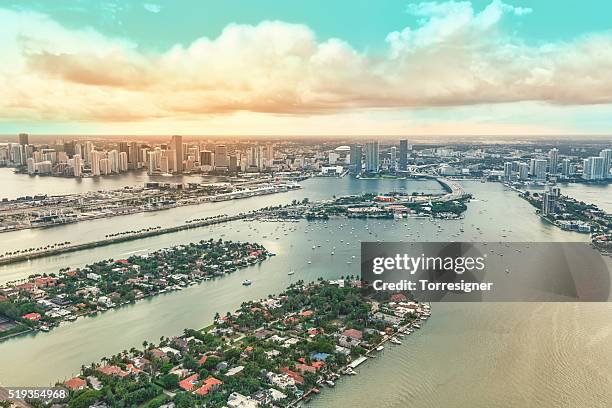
(453, 56)
(152, 8)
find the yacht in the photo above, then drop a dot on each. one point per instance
(246, 282)
(395, 341)
(291, 272)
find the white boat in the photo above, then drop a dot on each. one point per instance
(395, 341)
(291, 272)
(380, 348)
(246, 282)
(44, 328)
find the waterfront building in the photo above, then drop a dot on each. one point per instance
(113, 161)
(565, 168)
(372, 158)
(105, 166)
(177, 153)
(123, 162)
(507, 171)
(30, 163)
(393, 158)
(95, 157)
(355, 159)
(606, 154)
(549, 200)
(403, 155)
(593, 168)
(77, 165)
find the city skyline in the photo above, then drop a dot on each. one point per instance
(441, 68)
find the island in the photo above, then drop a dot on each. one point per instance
(43, 301)
(276, 351)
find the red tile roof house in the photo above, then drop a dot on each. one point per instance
(189, 383)
(353, 333)
(32, 316)
(75, 384)
(303, 368)
(113, 370)
(210, 384)
(298, 378)
(306, 313)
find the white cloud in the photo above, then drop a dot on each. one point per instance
(453, 56)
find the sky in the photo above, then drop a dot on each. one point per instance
(306, 67)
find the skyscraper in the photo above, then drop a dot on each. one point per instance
(177, 151)
(23, 139)
(221, 156)
(593, 168)
(565, 167)
(523, 170)
(553, 161)
(77, 165)
(507, 171)
(393, 158)
(403, 155)
(607, 156)
(355, 159)
(539, 169)
(372, 155)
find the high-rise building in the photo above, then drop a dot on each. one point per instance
(553, 161)
(177, 153)
(133, 154)
(539, 169)
(113, 161)
(206, 158)
(593, 168)
(606, 154)
(221, 157)
(123, 162)
(393, 158)
(77, 165)
(355, 159)
(523, 170)
(372, 157)
(403, 155)
(24, 139)
(153, 161)
(95, 158)
(507, 171)
(549, 201)
(233, 163)
(565, 168)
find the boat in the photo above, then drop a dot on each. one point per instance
(291, 272)
(330, 383)
(246, 282)
(380, 348)
(44, 328)
(395, 341)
